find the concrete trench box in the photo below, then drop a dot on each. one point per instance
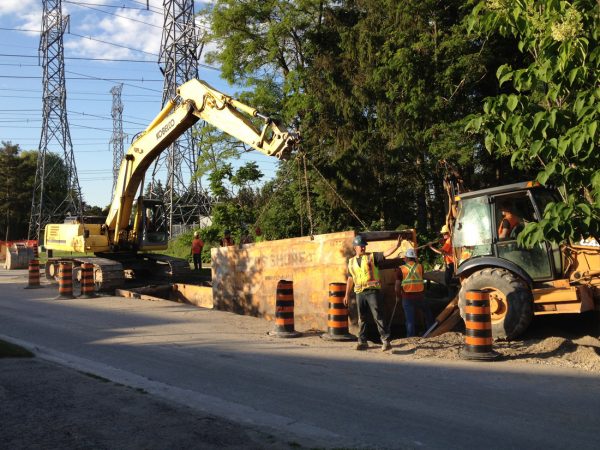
(245, 277)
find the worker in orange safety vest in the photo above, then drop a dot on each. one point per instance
(410, 288)
(197, 246)
(446, 251)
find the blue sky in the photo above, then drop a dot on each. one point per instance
(110, 42)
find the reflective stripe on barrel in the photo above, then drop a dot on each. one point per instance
(284, 306)
(337, 315)
(87, 280)
(34, 273)
(478, 322)
(65, 279)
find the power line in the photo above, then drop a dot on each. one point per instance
(113, 44)
(206, 66)
(18, 65)
(119, 81)
(84, 37)
(77, 99)
(157, 11)
(145, 61)
(88, 6)
(37, 91)
(92, 78)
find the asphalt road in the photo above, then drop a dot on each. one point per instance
(306, 390)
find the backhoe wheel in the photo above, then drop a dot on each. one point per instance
(511, 301)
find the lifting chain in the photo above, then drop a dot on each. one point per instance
(300, 195)
(276, 189)
(308, 209)
(338, 195)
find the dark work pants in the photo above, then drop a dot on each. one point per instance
(448, 275)
(197, 261)
(410, 305)
(369, 302)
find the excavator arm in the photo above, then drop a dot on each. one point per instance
(195, 100)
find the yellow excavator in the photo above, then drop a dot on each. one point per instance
(135, 226)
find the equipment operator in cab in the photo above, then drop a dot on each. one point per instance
(509, 221)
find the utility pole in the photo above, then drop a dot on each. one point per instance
(117, 137)
(55, 128)
(185, 200)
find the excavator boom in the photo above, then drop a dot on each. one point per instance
(196, 100)
(116, 243)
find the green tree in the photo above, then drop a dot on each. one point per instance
(380, 90)
(13, 207)
(548, 118)
(235, 195)
(18, 178)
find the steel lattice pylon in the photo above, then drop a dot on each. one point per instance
(117, 138)
(185, 200)
(47, 206)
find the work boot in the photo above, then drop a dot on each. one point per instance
(385, 346)
(362, 346)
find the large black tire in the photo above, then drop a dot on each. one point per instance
(511, 300)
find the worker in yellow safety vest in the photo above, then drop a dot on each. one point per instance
(363, 270)
(410, 287)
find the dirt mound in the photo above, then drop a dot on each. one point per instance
(582, 353)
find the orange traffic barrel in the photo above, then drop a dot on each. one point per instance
(284, 311)
(36, 254)
(337, 315)
(33, 281)
(88, 288)
(65, 280)
(478, 327)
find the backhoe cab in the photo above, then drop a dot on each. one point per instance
(546, 279)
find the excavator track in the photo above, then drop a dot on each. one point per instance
(111, 273)
(173, 268)
(108, 274)
(151, 267)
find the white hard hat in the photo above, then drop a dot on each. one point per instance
(410, 253)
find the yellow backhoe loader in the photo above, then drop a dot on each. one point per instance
(523, 283)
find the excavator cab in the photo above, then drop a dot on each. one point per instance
(152, 231)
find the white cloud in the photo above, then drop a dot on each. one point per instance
(129, 29)
(17, 7)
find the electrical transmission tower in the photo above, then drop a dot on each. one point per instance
(49, 206)
(117, 137)
(185, 200)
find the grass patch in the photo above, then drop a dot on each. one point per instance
(43, 256)
(8, 350)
